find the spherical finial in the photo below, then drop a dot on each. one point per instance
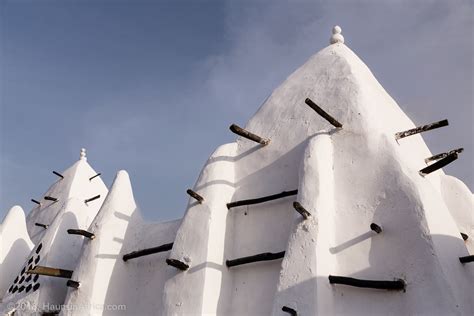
(83, 154)
(336, 35)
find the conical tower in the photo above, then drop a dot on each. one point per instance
(71, 203)
(328, 203)
(331, 139)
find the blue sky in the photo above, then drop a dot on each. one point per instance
(152, 86)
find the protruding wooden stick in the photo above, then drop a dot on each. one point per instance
(177, 264)
(443, 155)
(81, 232)
(438, 165)
(466, 259)
(321, 112)
(42, 225)
(147, 251)
(262, 199)
(54, 272)
(49, 198)
(92, 199)
(246, 134)
(194, 195)
(90, 179)
(289, 310)
(36, 202)
(58, 174)
(255, 258)
(376, 228)
(420, 129)
(464, 236)
(73, 284)
(383, 285)
(300, 209)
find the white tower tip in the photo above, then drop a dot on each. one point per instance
(336, 35)
(83, 154)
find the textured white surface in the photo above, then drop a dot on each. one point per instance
(105, 278)
(347, 179)
(15, 246)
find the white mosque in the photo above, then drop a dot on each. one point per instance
(328, 203)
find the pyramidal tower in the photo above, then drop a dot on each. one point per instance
(328, 203)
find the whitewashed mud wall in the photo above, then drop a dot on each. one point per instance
(62, 207)
(347, 179)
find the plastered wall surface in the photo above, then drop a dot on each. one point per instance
(347, 179)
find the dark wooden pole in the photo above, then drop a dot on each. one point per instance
(383, 285)
(439, 164)
(195, 196)
(289, 310)
(73, 284)
(42, 225)
(54, 272)
(262, 199)
(300, 209)
(81, 232)
(177, 264)
(147, 251)
(464, 236)
(466, 259)
(421, 129)
(321, 112)
(376, 228)
(443, 155)
(49, 198)
(260, 257)
(92, 198)
(97, 175)
(58, 174)
(36, 202)
(246, 134)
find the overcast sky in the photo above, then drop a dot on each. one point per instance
(152, 86)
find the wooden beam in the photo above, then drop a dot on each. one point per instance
(195, 196)
(147, 251)
(438, 165)
(466, 259)
(36, 202)
(443, 155)
(383, 285)
(177, 264)
(42, 225)
(376, 228)
(90, 179)
(81, 232)
(289, 310)
(73, 284)
(464, 236)
(421, 129)
(49, 198)
(92, 199)
(54, 272)
(255, 258)
(58, 174)
(262, 199)
(323, 113)
(246, 134)
(300, 209)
